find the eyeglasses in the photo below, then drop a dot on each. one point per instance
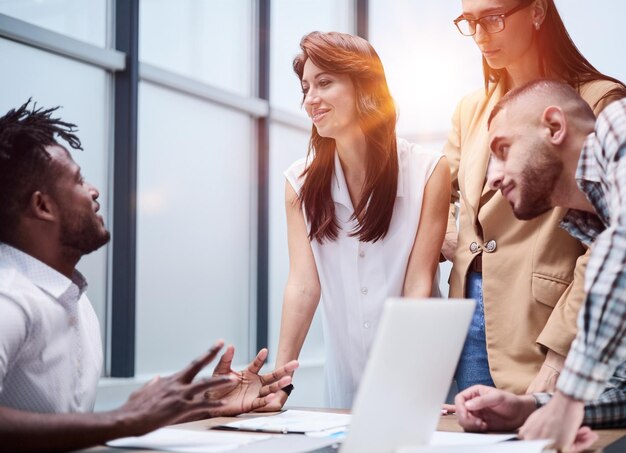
(493, 23)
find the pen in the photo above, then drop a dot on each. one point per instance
(279, 430)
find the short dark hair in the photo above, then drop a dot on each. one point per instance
(554, 90)
(24, 162)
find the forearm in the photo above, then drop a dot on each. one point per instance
(608, 411)
(448, 248)
(32, 432)
(598, 350)
(425, 253)
(585, 373)
(600, 344)
(451, 227)
(422, 268)
(420, 287)
(527, 405)
(299, 306)
(546, 378)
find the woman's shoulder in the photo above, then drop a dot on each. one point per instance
(416, 159)
(475, 97)
(408, 150)
(597, 87)
(474, 102)
(294, 172)
(482, 95)
(596, 93)
(297, 166)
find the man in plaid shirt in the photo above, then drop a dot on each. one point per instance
(548, 150)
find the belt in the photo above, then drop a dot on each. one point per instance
(477, 264)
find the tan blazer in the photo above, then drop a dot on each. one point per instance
(532, 270)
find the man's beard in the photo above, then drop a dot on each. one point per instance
(539, 179)
(83, 233)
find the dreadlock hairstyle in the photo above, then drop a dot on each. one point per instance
(24, 161)
(559, 57)
(341, 53)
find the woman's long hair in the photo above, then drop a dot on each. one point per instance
(559, 57)
(351, 55)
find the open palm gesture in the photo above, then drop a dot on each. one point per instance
(248, 390)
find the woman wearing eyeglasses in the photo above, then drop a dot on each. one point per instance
(527, 276)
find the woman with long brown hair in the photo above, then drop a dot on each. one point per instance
(527, 276)
(366, 211)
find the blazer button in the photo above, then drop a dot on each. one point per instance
(491, 246)
(473, 247)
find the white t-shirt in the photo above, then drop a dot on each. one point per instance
(50, 346)
(356, 277)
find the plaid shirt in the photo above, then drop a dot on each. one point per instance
(609, 409)
(598, 354)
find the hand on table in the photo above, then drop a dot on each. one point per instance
(560, 421)
(448, 409)
(481, 408)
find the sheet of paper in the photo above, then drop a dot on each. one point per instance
(447, 438)
(521, 446)
(294, 421)
(188, 441)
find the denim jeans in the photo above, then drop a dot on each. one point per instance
(473, 367)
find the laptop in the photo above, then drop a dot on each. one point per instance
(408, 374)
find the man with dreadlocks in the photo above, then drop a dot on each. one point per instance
(50, 351)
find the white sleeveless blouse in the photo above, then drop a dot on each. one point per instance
(356, 277)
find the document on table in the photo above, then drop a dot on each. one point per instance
(447, 442)
(450, 438)
(292, 421)
(188, 441)
(521, 446)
